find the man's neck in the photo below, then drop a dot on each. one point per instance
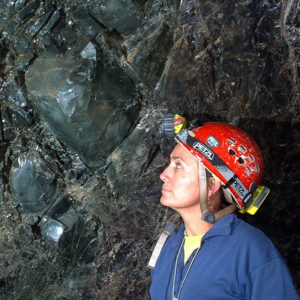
(193, 223)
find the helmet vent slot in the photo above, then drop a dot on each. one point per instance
(242, 149)
(231, 141)
(251, 158)
(248, 171)
(231, 152)
(241, 160)
(256, 169)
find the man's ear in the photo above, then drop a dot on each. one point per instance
(213, 186)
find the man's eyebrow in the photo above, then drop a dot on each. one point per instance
(177, 158)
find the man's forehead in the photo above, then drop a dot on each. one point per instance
(180, 153)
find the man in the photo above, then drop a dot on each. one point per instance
(215, 255)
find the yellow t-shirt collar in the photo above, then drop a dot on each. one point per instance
(190, 244)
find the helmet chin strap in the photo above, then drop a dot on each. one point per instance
(209, 216)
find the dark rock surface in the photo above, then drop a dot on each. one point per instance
(84, 86)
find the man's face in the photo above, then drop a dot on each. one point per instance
(181, 185)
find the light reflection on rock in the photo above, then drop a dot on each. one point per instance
(121, 15)
(51, 229)
(32, 183)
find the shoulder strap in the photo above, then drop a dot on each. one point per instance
(168, 230)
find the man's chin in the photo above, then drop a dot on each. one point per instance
(163, 200)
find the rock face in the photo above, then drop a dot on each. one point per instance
(90, 107)
(84, 86)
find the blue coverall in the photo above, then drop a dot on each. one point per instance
(235, 261)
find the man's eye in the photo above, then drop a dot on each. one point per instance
(178, 165)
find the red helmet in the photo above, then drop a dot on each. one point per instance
(229, 154)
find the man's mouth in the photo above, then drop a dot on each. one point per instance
(165, 190)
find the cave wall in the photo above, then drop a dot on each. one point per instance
(84, 86)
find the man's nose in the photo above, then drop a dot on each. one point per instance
(164, 176)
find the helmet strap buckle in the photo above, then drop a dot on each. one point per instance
(209, 216)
